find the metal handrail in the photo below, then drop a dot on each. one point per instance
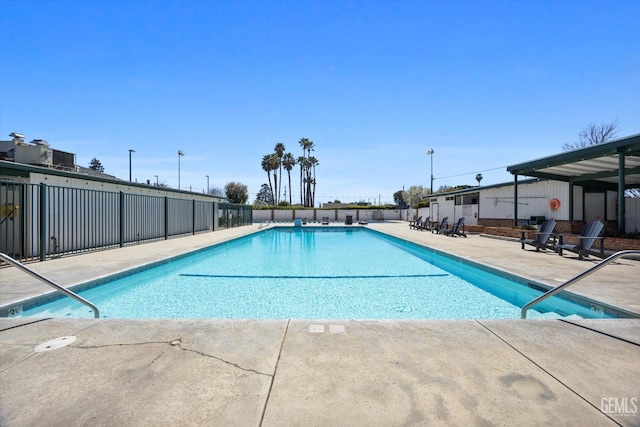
(523, 313)
(51, 283)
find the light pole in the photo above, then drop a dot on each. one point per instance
(180, 154)
(207, 183)
(130, 151)
(156, 180)
(430, 153)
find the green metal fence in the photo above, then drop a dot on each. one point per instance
(38, 221)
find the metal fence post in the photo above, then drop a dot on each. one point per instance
(166, 217)
(43, 221)
(193, 216)
(121, 219)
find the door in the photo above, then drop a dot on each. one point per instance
(435, 212)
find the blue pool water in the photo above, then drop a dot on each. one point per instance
(324, 273)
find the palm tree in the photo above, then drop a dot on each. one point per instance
(306, 166)
(274, 165)
(307, 148)
(288, 161)
(266, 166)
(301, 163)
(313, 162)
(279, 150)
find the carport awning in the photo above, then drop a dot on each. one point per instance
(597, 166)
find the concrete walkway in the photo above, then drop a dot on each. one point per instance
(315, 372)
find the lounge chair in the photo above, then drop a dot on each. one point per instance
(413, 224)
(440, 228)
(362, 222)
(542, 236)
(425, 225)
(348, 220)
(455, 231)
(325, 220)
(590, 233)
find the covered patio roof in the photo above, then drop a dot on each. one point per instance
(614, 166)
(596, 166)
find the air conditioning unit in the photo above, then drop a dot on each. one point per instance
(37, 154)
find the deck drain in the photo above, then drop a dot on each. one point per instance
(55, 344)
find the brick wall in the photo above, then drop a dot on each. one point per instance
(612, 243)
(562, 227)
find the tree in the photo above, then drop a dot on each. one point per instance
(593, 135)
(398, 198)
(266, 166)
(414, 195)
(217, 191)
(274, 163)
(301, 161)
(307, 172)
(236, 192)
(264, 196)
(312, 186)
(96, 165)
(279, 152)
(288, 161)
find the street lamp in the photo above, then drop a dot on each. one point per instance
(207, 183)
(180, 154)
(156, 180)
(130, 151)
(430, 153)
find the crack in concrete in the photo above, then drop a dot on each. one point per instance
(174, 343)
(235, 365)
(158, 357)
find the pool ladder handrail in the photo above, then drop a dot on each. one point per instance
(51, 283)
(552, 292)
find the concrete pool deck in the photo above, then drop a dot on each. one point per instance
(315, 372)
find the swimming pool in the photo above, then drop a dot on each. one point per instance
(314, 273)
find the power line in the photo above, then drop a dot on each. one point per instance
(469, 173)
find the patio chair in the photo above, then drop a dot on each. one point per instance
(412, 224)
(542, 236)
(440, 228)
(426, 224)
(348, 220)
(325, 220)
(455, 231)
(590, 233)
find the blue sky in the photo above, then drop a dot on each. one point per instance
(375, 84)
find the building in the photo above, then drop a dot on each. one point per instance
(573, 188)
(51, 209)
